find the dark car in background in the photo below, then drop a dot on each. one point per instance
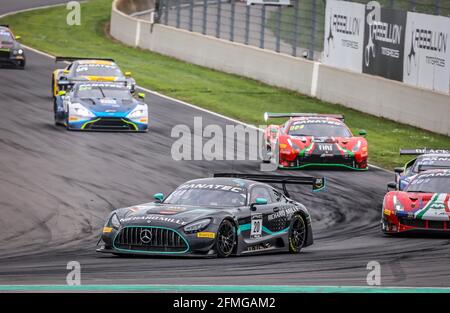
(11, 51)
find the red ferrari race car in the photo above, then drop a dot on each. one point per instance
(314, 140)
(424, 205)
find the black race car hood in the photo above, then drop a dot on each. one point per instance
(108, 106)
(168, 215)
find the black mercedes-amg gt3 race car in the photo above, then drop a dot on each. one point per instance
(229, 214)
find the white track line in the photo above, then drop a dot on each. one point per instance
(151, 91)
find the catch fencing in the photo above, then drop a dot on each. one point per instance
(297, 29)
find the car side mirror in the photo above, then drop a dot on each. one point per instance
(141, 95)
(66, 71)
(392, 186)
(62, 93)
(18, 37)
(258, 201)
(399, 170)
(128, 74)
(159, 197)
(362, 132)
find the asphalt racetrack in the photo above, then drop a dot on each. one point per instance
(57, 187)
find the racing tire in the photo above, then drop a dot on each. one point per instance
(226, 239)
(54, 113)
(21, 65)
(297, 234)
(66, 122)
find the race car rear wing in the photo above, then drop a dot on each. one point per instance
(268, 115)
(71, 59)
(4, 25)
(318, 183)
(421, 151)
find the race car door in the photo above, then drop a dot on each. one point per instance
(257, 226)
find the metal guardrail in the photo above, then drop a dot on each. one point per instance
(297, 30)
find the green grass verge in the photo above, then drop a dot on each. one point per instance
(234, 96)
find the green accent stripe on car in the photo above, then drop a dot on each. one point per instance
(152, 252)
(322, 165)
(245, 227)
(226, 288)
(350, 153)
(131, 123)
(307, 149)
(421, 213)
(89, 122)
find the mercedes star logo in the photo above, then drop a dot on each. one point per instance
(146, 236)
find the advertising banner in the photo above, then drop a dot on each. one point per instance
(344, 35)
(384, 39)
(427, 52)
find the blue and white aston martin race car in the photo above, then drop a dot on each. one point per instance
(101, 106)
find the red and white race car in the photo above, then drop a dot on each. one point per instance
(424, 205)
(315, 140)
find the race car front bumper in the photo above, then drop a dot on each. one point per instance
(6, 57)
(129, 240)
(316, 161)
(108, 124)
(393, 224)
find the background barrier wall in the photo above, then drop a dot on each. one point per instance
(378, 96)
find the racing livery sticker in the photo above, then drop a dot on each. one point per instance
(283, 213)
(149, 218)
(435, 210)
(212, 187)
(256, 226)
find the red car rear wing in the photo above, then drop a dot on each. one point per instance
(268, 115)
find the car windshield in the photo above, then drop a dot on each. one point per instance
(209, 196)
(319, 129)
(430, 184)
(100, 92)
(430, 162)
(98, 70)
(6, 36)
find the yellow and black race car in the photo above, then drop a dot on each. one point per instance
(11, 51)
(89, 69)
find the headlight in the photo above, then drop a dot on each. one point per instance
(79, 110)
(397, 204)
(114, 221)
(139, 112)
(18, 52)
(357, 146)
(197, 226)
